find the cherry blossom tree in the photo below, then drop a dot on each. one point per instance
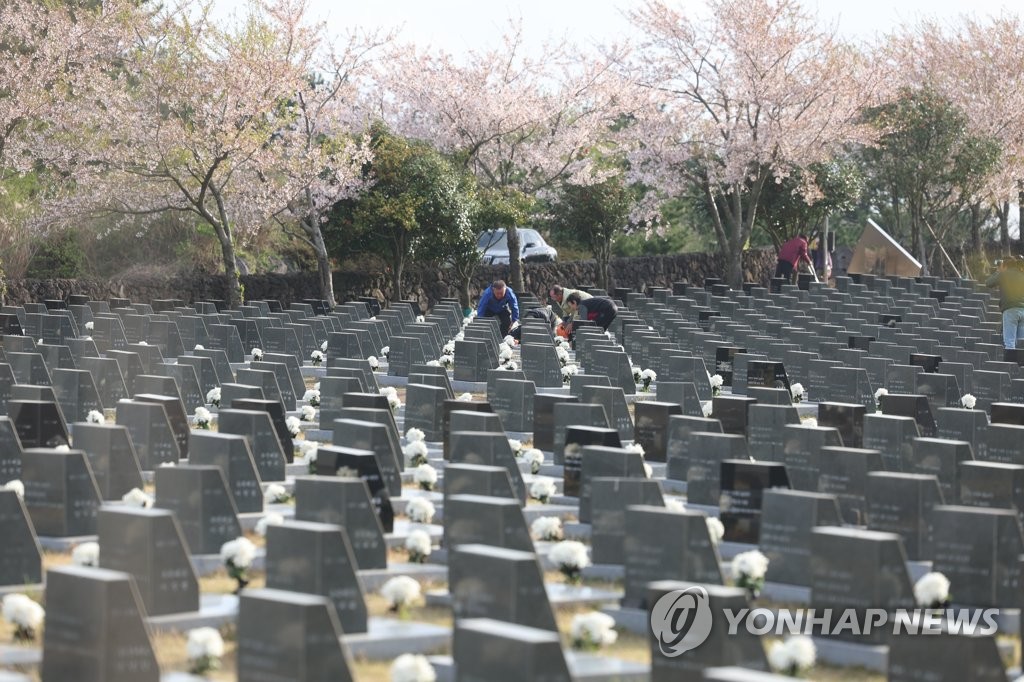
(737, 99)
(518, 123)
(192, 120)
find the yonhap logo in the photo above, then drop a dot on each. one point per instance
(681, 620)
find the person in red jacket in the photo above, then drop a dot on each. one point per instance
(790, 255)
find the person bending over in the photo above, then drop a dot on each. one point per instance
(598, 309)
(499, 301)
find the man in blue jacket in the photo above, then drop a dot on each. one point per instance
(501, 302)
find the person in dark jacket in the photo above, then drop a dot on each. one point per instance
(598, 309)
(1009, 279)
(791, 254)
(499, 301)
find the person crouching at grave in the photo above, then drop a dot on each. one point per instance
(598, 309)
(1009, 279)
(499, 301)
(545, 314)
(559, 296)
(791, 254)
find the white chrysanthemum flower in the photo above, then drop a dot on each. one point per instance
(796, 392)
(752, 565)
(420, 318)
(931, 590)
(137, 498)
(542, 489)
(267, 520)
(569, 554)
(257, 354)
(717, 381)
(795, 655)
(465, 397)
(569, 371)
(648, 375)
(63, 448)
(213, 396)
(86, 554)
(293, 425)
(562, 354)
(166, 465)
(879, 393)
(707, 408)
(17, 486)
(391, 393)
(143, 343)
(648, 471)
(674, 504)
(95, 417)
(203, 417)
(509, 341)
(317, 357)
(204, 643)
(504, 354)
(200, 347)
(415, 453)
(448, 349)
(636, 447)
(535, 458)
(592, 630)
(400, 591)
(433, 363)
(547, 528)
(968, 401)
(374, 362)
(516, 445)
(22, 612)
(307, 449)
(420, 510)
(323, 347)
(446, 361)
(636, 373)
(89, 326)
(276, 494)
(715, 529)
(385, 351)
(510, 366)
(414, 434)
(419, 545)
(425, 476)
(307, 413)
(239, 552)
(412, 668)
(312, 397)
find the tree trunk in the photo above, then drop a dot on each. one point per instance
(323, 260)
(396, 280)
(1004, 227)
(227, 252)
(515, 263)
(601, 256)
(976, 227)
(464, 292)
(734, 265)
(1020, 209)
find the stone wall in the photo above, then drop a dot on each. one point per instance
(424, 284)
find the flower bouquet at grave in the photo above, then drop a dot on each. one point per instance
(569, 371)
(509, 341)
(793, 657)
(637, 374)
(294, 426)
(968, 401)
(323, 347)
(137, 498)
(419, 547)
(562, 354)
(511, 366)
(706, 408)
(505, 354)
(95, 417)
(465, 397)
(307, 413)
(257, 354)
(571, 557)
(412, 668)
(391, 393)
(86, 554)
(646, 377)
(385, 351)
(715, 529)
(420, 510)
(312, 397)
(425, 476)
(547, 529)
(317, 357)
(89, 326)
(433, 363)
(931, 591)
(535, 458)
(448, 349)
(592, 631)
(213, 397)
(199, 346)
(25, 615)
(237, 556)
(415, 453)
(446, 361)
(517, 447)
(400, 592)
(716, 382)
(797, 393)
(374, 362)
(276, 494)
(203, 418)
(542, 489)
(748, 570)
(308, 449)
(267, 520)
(878, 398)
(204, 649)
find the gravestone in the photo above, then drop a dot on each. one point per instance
(691, 555)
(176, 417)
(291, 636)
(108, 379)
(614, 401)
(468, 420)
(21, 562)
(277, 418)
(678, 447)
(766, 425)
(576, 440)
(991, 484)
(112, 457)
(961, 424)
(541, 364)
(743, 484)
(892, 436)
(1002, 443)
(423, 409)
(60, 492)
(847, 418)
(513, 401)
(915, 406)
(491, 449)
(485, 649)
(573, 414)
(477, 479)
(940, 458)
(232, 454)
(544, 418)
(259, 431)
(683, 394)
(478, 519)
(39, 424)
(486, 581)
(375, 438)
(317, 558)
(95, 628)
(148, 545)
(344, 502)
(901, 503)
(600, 461)
(732, 412)
(843, 473)
(200, 499)
(609, 499)
(703, 474)
(787, 519)
(962, 655)
(651, 429)
(151, 433)
(333, 460)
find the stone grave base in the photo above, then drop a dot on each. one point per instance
(555, 471)
(469, 387)
(607, 572)
(532, 512)
(21, 656)
(6, 676)
(398, 504)
(389, 380)
(214, 611)
(300, 467)
(632, 620)
(786, 594)
(583, 667)
(208, 564)
(559, 594)
(842, 654)
(388, 638)
(577, 531)
(14, 589)
(249, 520)
(672, 486)
(307, 371)
(318, 435)
(374, 578)
(54, 544)
(403, 527)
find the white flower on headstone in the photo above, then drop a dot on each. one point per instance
(535, 458)
(420, 510)
(239, 553)
(448, 349)
(706, 408)
(374, 363)
(635, 447)
(547, 529)
(412, 668)
(24, 614)
(385, 351)
(415, 453)
(317, 357)
(312, 397)
(200, 347)
(17, 486)
(571, 557)
(509, 341)
(276, 494)
(797, 393)
(542, 489)
(323, 347)
(794, 656)
(931, 590)
(213, 396)
(137, 498)
(400, 592)
(809, 421)
(516, 445)
(414, 434)
(674, 504)
(293, 425)
(95, 417)
(90, 325)
(717, 381)
(203, 418)
(465, 397)
(204, 649)
(968, 401)
(307, 413)
(86, 554)
(257, 354)
(748, 571)
(425, 476)
(271, 519)
(419, 546)
(715, 529)
(591, 631)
